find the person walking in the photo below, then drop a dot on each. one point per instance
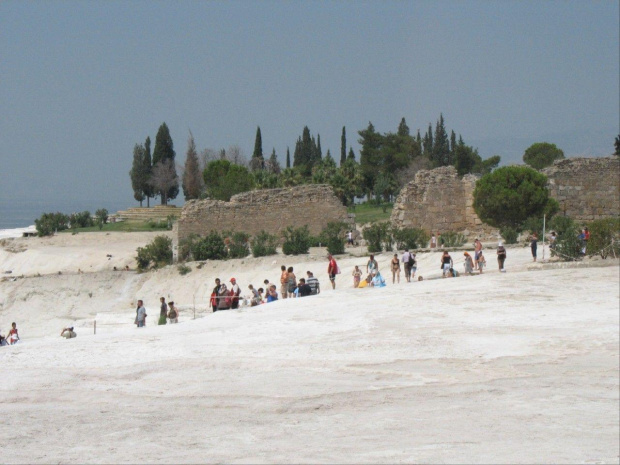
(446, 263)
(284, 282)
(477, 251)
(433, 242)
(372, 265)
(469, 263)
(413, 263)
(235, 291)
(405, 258)
(357, 276)
(291, 283)
(395, 267)
(534, 245)
(173, 313)
(501, 256)
(163, 311)
(141, 315)
(481, 262)
(332, 270)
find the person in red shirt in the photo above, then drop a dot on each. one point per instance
(332, 270)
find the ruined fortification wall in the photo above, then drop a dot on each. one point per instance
(438, 201)
(271, 210)
(586, 188)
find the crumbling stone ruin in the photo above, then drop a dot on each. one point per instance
(272, 210)
(438, 200)
(586, 188)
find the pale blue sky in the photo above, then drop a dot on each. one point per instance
(82, 82)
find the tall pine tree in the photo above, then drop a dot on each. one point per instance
(164, 153)
(192, 177)
(147, 170)
(137, 173)
(288, 158)
(441, 145)
(343, 146)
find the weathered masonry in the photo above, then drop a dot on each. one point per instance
(272, 210)
(438, 200)
(586, 188)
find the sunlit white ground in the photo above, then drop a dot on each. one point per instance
(516, 367)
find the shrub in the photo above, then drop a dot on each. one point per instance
(511, 194)
(378, 237)
(452, 239)
(159, 224)
(48, 223)
(509, 235)
(296, 241)
(186, 246)
(102, 217)
(410, 238)
(560, 224)
(333, 237)
(158, 253)
(568, 245)
(210, 247)
(604, 237)
(264, 244)
(237, 244)
(81, 220)
(184, 269)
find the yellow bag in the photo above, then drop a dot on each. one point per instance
(363, 283)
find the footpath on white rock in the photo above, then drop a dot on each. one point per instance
(515, 367)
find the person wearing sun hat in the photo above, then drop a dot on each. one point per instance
(235, 290)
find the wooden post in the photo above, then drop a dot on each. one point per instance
(95, 327)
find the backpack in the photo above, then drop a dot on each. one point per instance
(411, 261)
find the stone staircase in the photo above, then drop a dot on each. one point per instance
(156, 213)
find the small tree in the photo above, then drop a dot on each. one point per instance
(211, 247)
(192, 177)
(511, 194)
(541, 155)
(333, 237)
(264, 244)
(102, 217)
(604, 238)
(378, 237)
(49, 223)
(296, 241)
(224, 179)
(237, 244)
(156, 254)
(409, 238)
(568, 245)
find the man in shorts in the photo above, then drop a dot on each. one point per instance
(284, 282)
(332, 270)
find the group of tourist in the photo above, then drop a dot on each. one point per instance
(167, 313)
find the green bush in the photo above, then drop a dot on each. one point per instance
(333, 237)
(237, 244)
(510, 235)
(186, 246)
(560, 224)
(264, 244)
(452, 239)
(159, 224)
(81, 220)
(410, 238)
(49, 223)
(156, 254)
(296, 241)
(568, 245)
(211, 247)
(102, 217)
(378, 237)
(183, 269)
(604, 237)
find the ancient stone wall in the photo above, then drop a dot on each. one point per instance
(272, 210)
(439, 201)
(586, 188)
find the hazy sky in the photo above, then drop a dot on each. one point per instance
(82, 82)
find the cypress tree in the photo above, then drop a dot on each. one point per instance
(319, 151)
(257, 163)
(136, 173)
(288, 158)
(441, 145)
(343, 146)
(147, 170)
(403, 129)
(164, 152)
(192, 177)
(351, 155)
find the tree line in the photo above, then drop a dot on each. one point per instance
(387, 161)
